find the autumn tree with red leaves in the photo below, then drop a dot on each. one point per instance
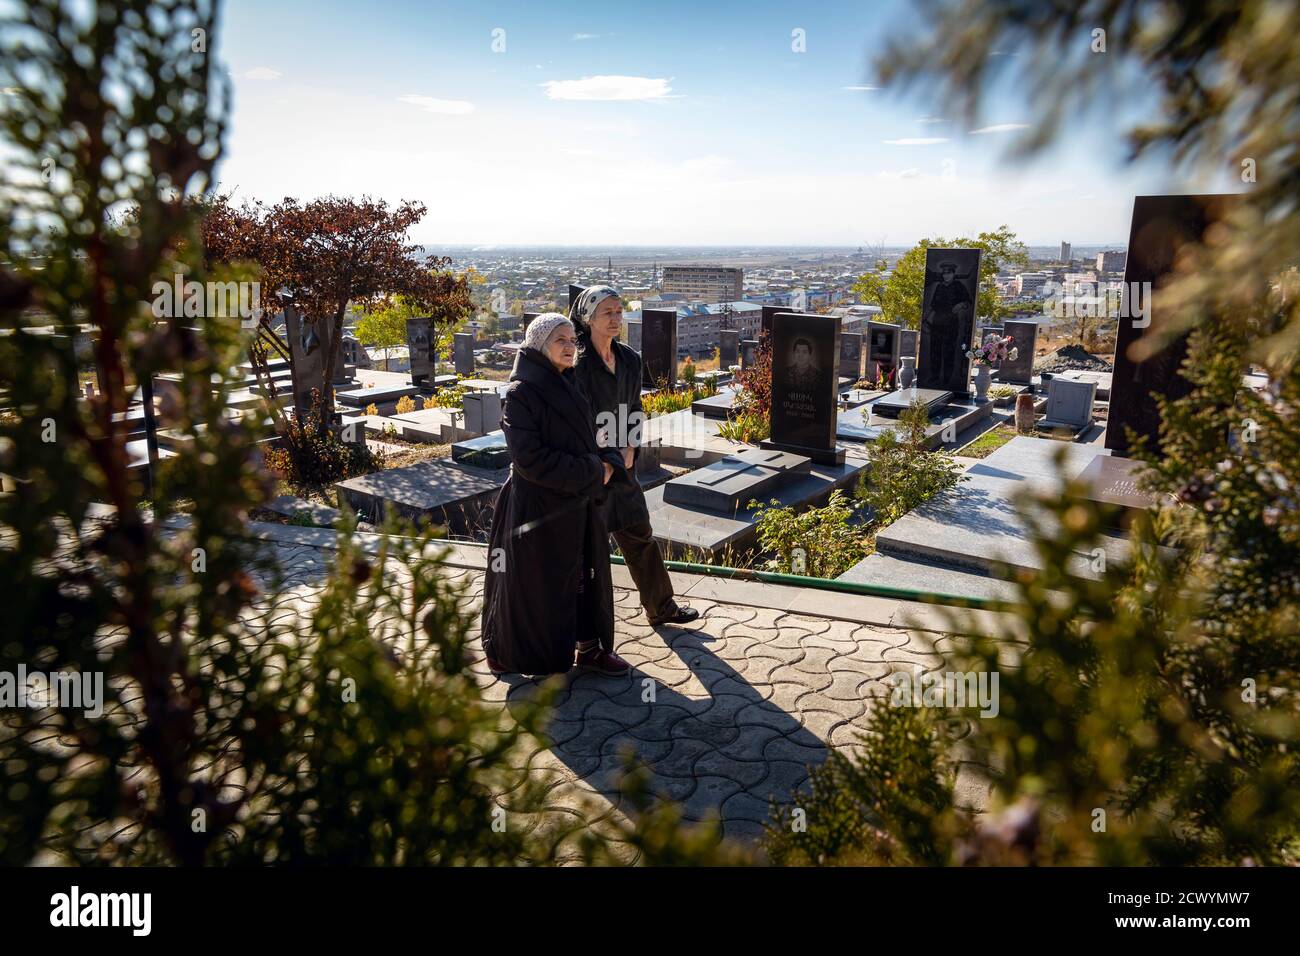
(335, 252)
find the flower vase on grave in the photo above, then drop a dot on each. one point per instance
(983, 378)
(907, 371)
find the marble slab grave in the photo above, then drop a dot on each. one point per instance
(893, 404)
(361, 397)
(726, 486)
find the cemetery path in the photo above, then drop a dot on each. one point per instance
(729, 713)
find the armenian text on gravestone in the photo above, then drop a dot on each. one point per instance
(805, 363)
(948, 308)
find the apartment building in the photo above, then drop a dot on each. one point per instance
(705, 283)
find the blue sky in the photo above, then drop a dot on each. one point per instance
(647, 123)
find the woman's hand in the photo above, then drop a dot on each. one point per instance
(628, 455)
(609, 471)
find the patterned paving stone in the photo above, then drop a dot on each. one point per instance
(745, 700)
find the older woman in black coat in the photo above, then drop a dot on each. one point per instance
(548, 586)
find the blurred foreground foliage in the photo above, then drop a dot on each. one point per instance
(238, 723)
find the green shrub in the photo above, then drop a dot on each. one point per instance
(900, 472)
(452, 397)
(750, 427)
(817, 542)
(667, 401)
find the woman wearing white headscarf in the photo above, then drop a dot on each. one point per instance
(548, 586)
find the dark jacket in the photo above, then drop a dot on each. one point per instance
(548, 533)
(618, 394)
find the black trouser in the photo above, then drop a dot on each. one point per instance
(646, 565)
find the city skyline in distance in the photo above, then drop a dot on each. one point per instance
(724, 125)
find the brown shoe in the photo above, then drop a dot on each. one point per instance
(606, 662)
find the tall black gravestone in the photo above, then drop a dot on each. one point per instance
(463, 352)
(728, 348)
(883, 342)
(417, 346)
(851, 355)
(948, 319)
(1024, 339)
(906, 343)
(748, 353)
(659, 348)
(574, 292)
(805, 363)
(1161, 226)
(528, 317)
(308, 346)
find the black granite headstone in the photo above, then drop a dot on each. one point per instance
(574, 292)
(308, 346)
(851, 354)
(805, 363)
(907, 343)
(633, 334)
(882, 348)
(528, 317)
(1024, 337)
(463, 352)
(417, 345)
(948, 317)
(728, 348)
(1161, 226)
(748, 353)
(659, 348)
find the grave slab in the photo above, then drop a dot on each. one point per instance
(892, 404)
(441, 491)
(487, 451)
(361, 397)
(726, 486)
(679, 527)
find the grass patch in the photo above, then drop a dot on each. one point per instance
(989, 442)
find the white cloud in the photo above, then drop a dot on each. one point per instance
(431, 104)
(930, 120)
(999, 128)
(586, 36)
(609, 88)
(261, 73)
(861, 88)
(916, 141)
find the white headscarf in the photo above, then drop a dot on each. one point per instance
(539, 330)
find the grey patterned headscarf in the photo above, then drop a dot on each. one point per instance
(582, 311)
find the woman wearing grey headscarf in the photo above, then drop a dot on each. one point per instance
(548, 585)
(609, 374)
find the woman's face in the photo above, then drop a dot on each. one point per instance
(608, 319)
(562, 348)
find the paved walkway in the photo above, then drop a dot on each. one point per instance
(729, 712)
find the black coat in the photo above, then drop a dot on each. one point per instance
(618, 394)
(548, 533)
